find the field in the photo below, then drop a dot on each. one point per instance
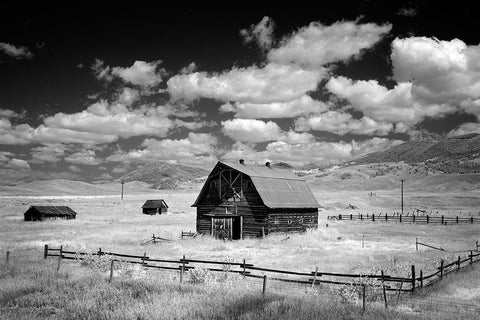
(118, 226)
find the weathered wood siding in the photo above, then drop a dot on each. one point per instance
(291, 219)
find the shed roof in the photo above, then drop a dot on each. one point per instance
(278, 188)
(54, 210)
(150, 204)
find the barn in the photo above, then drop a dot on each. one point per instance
(153, 207)
(40, 213)
(243, 200)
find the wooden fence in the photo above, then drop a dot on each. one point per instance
(387, 282)
(444, 220)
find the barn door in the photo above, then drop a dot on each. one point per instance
(222, 228)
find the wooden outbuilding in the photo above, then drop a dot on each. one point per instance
(40, 213)
(153, 207)
(242, 200)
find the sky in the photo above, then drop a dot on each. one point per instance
(91, 91)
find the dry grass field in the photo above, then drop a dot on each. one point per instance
(336, 246)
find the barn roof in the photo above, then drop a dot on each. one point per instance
(54, 210)
(151, 204)
(278, 188)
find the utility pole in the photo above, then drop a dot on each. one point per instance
(402, 195)
(123, 182)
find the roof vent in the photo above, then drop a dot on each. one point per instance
(267, 164)
(241, 161)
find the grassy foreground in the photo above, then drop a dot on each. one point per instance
(37, 291)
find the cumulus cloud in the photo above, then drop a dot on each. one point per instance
(196, 148)
(18, 164)
(382, 104)
(17, 52)
(342, 123)
(74, 168)
(441, 71)
(465, 128)
(10, 114)
(271, 83)
(315, 45)
(141, 73)
(128, 96)
(251, 130)
(291, 109)
(317, 152)
(114, 120)
(49, 153)
(261, 33)
(85, 157)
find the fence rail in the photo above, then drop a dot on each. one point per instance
(388, 282)
(427, 219)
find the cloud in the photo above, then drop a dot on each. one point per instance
(407, 12)
(141, 73)
(49, 153)
(316, 152)
(291, 109)
(18, 164)
(465, 128)
(442, 72)
(316, 45)
(85, 157)
(17, 52)
(261, 33)
(196, 148)
(114, 120)
(251, 130)
(271, 83)
(128, 96)
(10, 114)
(382, 104)
(74, 169)
(342, 123)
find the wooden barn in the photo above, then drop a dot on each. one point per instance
(153, 207)
(40, 213)
(241, 200)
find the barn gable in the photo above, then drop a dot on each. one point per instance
(277, 188)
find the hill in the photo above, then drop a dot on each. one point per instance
(162, 175)
(452, 155)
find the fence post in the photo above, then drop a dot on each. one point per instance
(60, 258)
(100, 251)
(8, 257)
(340, 217)
(361, 216)
(384, 291)
(441, 269)
(111, 270)
(263, 232)
(443, 219)
(264, 284)
(413, 278)
(457, 219)
(421, 278)
(458, 264)
(363, 297)
(386, 216)
(244, 267)
(314, 277)
(143, 258)
(45, 252)
(427, 218)
(416, 244)
(351, 216)
(471, 219)
(182, 268)
(413, 218)
(400, 218)
(399, 291)
(471, 257)
(373, 217)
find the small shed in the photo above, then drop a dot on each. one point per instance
(40, 213)
(153, 207)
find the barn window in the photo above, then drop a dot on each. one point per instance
(300, 220)
(275, 221)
